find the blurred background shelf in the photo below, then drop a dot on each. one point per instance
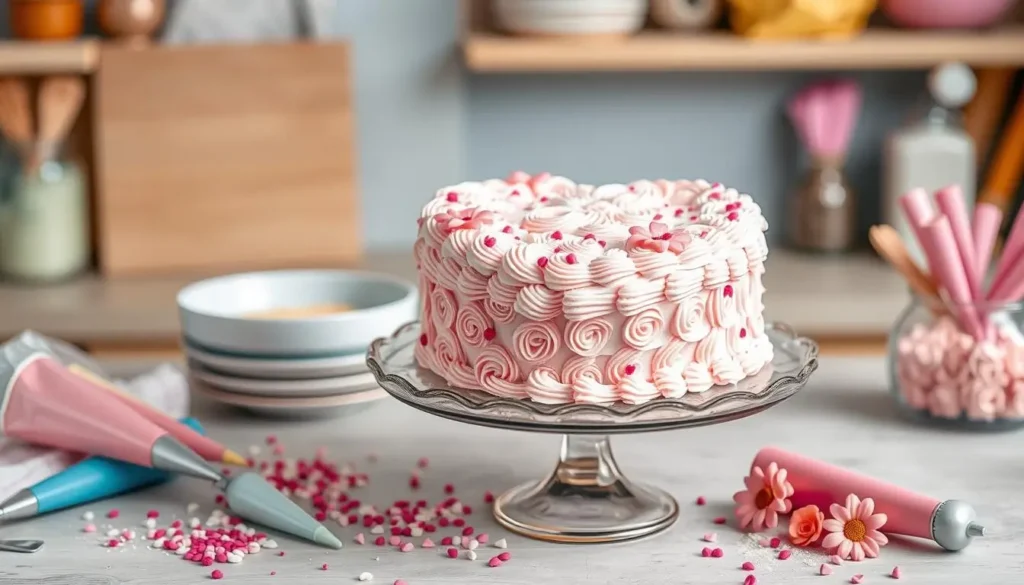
(32, 58)
(488, 52)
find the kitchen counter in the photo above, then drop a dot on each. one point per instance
(845, 415)
(825, 297)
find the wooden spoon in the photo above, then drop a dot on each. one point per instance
(887, 242)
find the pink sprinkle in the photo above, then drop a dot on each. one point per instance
(556, 235)
(835, 560)
(717, 553)
(764, 542)
(785, 554)
(775, 542)
(407, 547)
(490, 241)
(271, 439)
(467, 531)
(395, 540)
(323, 567)
(705, 552)
(221, 557)
(570, 258)
(449, 489)
(452, 553)
(113, 513)
(278, 450)
(542, 261)
(494, 562)
(719, 520)
(427, 543)
(824, 570)
(488, 496)
(701, 501)
(710, 537)
(280, 554)
(856, 579)
(113, 542)
(896, 573)
(750, 580)
(747, 566)
(422, 463)
(629, 369)
(727, 291)
(272, 573)
(507, 229)
(152, 514)
(446, 541)
(217, 574)
(505, 556)
(89, 528)
(452, 197)
(379, 541)
(400, 582)
(679, 212)
(207, 561)
(482, 538)
(360, 539)
(458, 523)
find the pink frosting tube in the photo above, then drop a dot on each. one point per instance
(821, 484)
(1011, 250)
(950, 201)
(952, 273)
(985, 227)
(48, 405)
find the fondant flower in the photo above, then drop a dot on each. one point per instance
(766, 496)
(465, 219)
(853, 529)
(805, 525)
(657, 238)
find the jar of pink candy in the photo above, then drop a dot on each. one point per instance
(956, 354)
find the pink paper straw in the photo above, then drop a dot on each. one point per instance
(1011, 250)
(917, 207)
(987, 219)
(950, 272)
(950, 201)
(1011, 289)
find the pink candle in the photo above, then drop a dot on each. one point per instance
(950, 523)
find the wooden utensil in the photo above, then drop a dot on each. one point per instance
(15, 110)
(887, 242)
(1007, 163)
(983, 114)
(58, 103)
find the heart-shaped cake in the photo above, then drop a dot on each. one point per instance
(535, 287)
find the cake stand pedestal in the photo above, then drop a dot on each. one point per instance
(587, 499)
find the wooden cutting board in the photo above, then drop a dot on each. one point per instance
(218, 158)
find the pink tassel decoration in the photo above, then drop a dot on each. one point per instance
(825, 115)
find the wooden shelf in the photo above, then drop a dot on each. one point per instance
(667, 51)
(32, 57)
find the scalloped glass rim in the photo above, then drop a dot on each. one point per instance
(392, 362)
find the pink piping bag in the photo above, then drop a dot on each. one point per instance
(950, 201)
(950, 271)
(1011, 252)
(917, 207)
(42, 402)
(950, 523)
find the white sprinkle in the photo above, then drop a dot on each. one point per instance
(378, 529)
(149, 522)
(334, 514)
(470, 555)
(366, 509)
(150, 535)
(88, 516)
(234, 558)
(217, 513)
(427, 543)
(360, 539)
(158, 543)
(710, 537)
(343, 520)
(254, 547)
(191, 508)
(113, 532)
(366, 576)
(407, 547)
(270, 543)
(181, 551)
(254, 450)
(128, 534)
(457, 508)
(500, 543)
(194, 523)
(416, 531)
(473, 544)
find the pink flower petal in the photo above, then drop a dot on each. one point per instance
(743, 498)
(866, 508)
(758, 523)
(779, 505)
(753, 484)
(878, 537)
(852, 501)
(756, 472)
(832, 525)
(870, 547)
(789, 504)
(658, 229)
(771, 518)
(746, 519)
(833, 540)
(857, 552)
(773, 468)
(881, 519)
(839, 513)
(845, 548)
(637, 231)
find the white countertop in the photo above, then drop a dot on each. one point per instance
(845, 416)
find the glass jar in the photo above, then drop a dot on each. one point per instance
(944, 375)
(44, 215)
(823, 212)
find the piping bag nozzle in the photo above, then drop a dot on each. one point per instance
(169, 454)
(252, 498)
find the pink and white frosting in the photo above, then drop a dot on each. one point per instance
(539, 288)
(949, 374)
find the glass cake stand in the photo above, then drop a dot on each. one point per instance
(587, 499)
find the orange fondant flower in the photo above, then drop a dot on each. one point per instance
(805, 525)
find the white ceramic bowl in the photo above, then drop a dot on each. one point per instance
(571, 17)
(214, 313)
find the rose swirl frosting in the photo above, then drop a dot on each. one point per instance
(520, 265)
(538, 303)
(535, 341)
(588, 338)
(578, 367)
(471, 322)
(498, 373)
(642, 330)
(543, 386)
(444, 305)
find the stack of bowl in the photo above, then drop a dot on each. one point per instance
(292, 342)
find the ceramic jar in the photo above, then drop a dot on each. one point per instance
(942, 375)
(46, 20)
(946, 13)
(131, 20)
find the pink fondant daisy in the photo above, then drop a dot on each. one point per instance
(853, 529)
(464, 219)
(657, 238)
(758, 507)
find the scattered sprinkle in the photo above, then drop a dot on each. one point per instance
(775, 541)
(395, 540)
(88, 516)
(494, 562)
(835, 560)
(747, 566)
(717, 553)
(446, 541)
(114, 513)
(113, 532)
(856, 579)
(89, 528)
(113, 543)
(784, 554)
(422, 463)
(467, 531)
(191, 508)
(482, 538)
(500, 543)
(427, 543)
(272, 573)
(705, 552)
(400, 582)
(896, 573)
(452, 552)
(377, 530)
(764, 542)
(470, 555)
(710, 537)
(719, 520)
(488, 498)
(323, 567)
(153, 514)
(366, 576)
(750, 580)
(407, 547)
(380, 541)
(449, 489)
(824, 570)
(701, 501)
(360, 539)
(216, 574)
(505, 557)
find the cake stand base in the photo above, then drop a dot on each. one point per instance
(586, 499)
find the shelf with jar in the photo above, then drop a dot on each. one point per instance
(678, 35)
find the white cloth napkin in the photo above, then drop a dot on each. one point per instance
(21, 465)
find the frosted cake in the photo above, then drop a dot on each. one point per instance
(535, 287)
